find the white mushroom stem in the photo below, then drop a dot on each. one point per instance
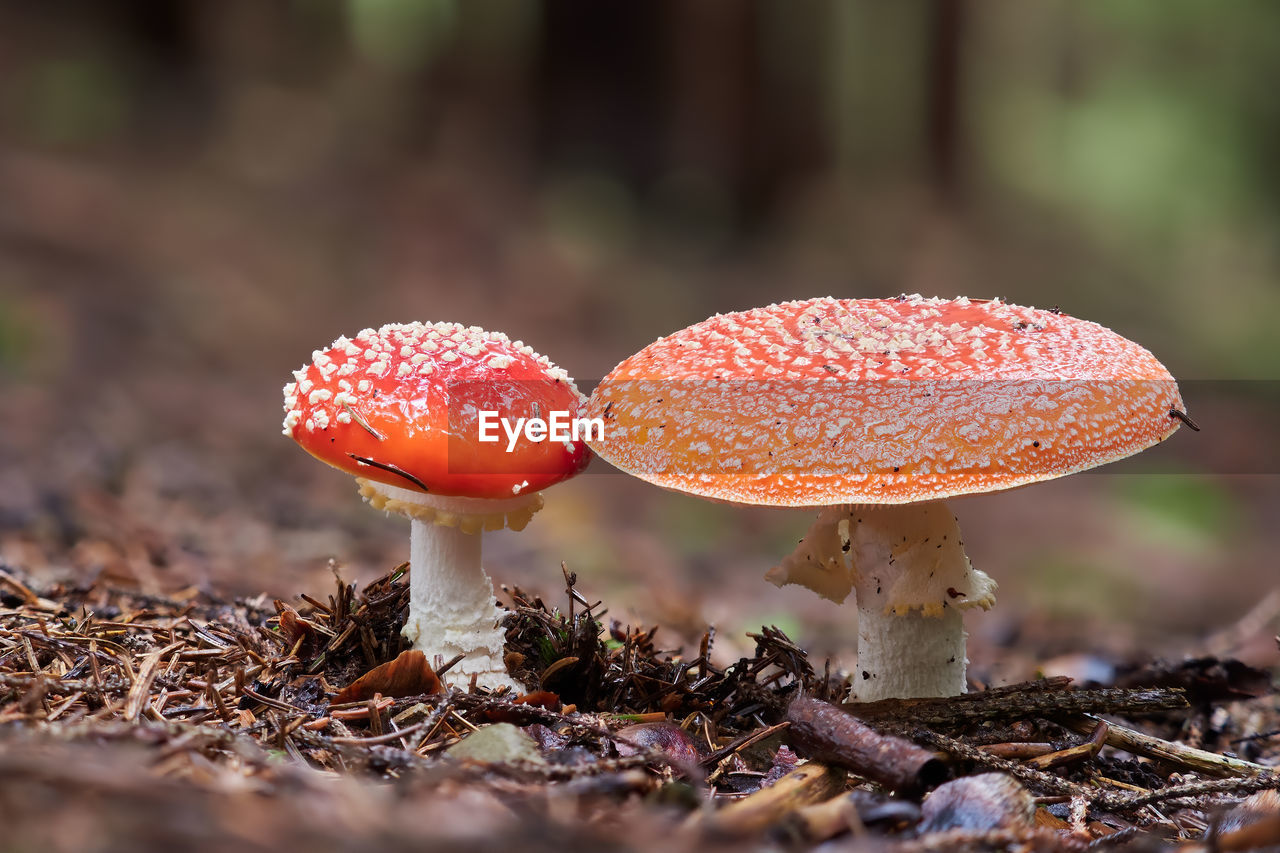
(906, 655)
(452, 609)
(907, 566)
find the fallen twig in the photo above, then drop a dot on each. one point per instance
(823, 732)
(1199, 760)
(811, 783)
(1048, 698)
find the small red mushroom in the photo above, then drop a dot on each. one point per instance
(407, 410)
(877, 410)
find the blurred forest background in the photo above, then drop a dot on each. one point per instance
(195, 195)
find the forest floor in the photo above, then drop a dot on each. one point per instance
(135, 721)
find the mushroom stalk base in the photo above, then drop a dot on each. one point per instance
(452, 609)
(907, 655)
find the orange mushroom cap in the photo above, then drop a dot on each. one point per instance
(401, 405)
(879, 401)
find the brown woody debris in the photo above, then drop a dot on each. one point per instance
(812, 783)
(823, 732)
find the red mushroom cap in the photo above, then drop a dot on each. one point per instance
(879, 401)
(401, 405)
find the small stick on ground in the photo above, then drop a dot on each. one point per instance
(1088, 749)
(821, 731)
(1237, 785)
(1122, 737)
(1036, 779)
(742, 743)
(1017, 751)
(1048, 698)
(803, 786)
(28, 597)
(827, 819)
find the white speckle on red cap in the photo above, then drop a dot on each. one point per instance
(413, 410)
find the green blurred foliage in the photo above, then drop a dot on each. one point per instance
(1068, 584)
(401, 35)
(1142, 114)
(693, 526)
(1150, 159)
(591, 214)
(22, 338)
(68, 100)
(1181, 509)
(873, 93)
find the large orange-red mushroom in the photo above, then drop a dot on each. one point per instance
(400, 407)
(878, 410)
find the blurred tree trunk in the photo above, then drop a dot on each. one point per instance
(745, 98)
(600, 87)
(943, 98)
(711, 84)
(787, 138)
(720, 89)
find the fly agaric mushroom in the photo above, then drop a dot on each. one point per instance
(878, 410)
(401, 409)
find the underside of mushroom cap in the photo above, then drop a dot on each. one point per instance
(847, 544)
(879, 401)
(470, 515)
